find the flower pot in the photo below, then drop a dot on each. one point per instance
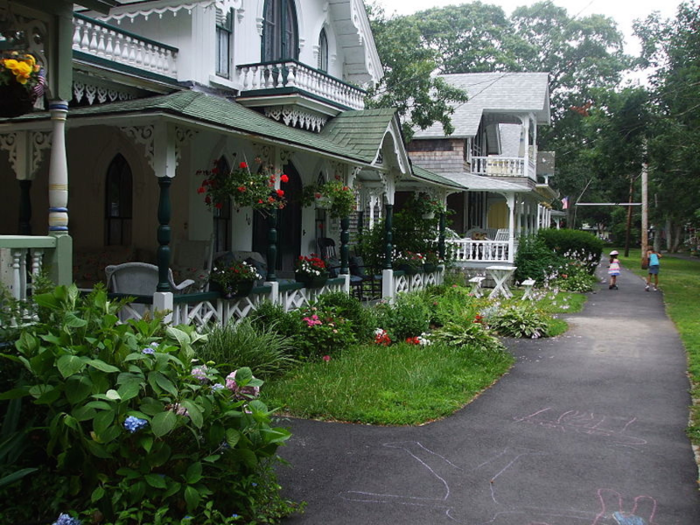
(323, 203)
(429, 267)
(311, 281)
(240, 289)
(408, 269)
(429, 215)
(15, 100)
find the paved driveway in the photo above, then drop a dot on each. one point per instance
(586, 429)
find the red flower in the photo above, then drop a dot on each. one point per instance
(284, 178)
(214, 171)
(317, 195)
(243, 165)
(201, 189)
(280, 193)
(242, 188)
(207, 199)
(219, 205)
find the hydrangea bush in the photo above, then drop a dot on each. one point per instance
(127, 427)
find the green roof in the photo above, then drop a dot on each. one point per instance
(429, 176)
(361, 130)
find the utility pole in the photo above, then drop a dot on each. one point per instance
(645, 211)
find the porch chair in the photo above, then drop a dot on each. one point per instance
(326, 249)
(192, 260)
(138, 278)
(359, 278)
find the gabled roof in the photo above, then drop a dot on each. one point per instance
(509, 93)
(362, 130)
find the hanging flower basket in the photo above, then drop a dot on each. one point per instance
(323, 203)
(233, 278)
(240, 289)
(311, 270)
(428, 216)
(335, 196)
(21, 84)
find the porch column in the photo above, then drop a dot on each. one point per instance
(344, 245)
(441, 236)
(388, 236)
(272, 246)
(510, 200)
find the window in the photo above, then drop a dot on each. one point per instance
(118, 202)
(280, 40)
(224, 34)
(222, 217)
(323, 51)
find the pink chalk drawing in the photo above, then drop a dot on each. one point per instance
(612, 509)
(587, 423)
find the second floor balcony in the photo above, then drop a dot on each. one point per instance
(497, 166)
(265, 80)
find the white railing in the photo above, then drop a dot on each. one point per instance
(292, 74)
(467, 250)
(112, 43)
(500, 166)
(20, 258)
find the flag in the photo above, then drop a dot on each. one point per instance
(565, 203)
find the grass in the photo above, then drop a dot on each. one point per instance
(401, 384)
(680, 281)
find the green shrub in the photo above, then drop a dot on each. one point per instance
(535, 260)
(260, 347)
(122, 424)
(272, 315)
(520, 320)
(574, 244)
(322, 332)
(473, 335)
(363, 319)
(408, 317)
(573, 276)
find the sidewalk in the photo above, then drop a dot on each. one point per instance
(586, 429)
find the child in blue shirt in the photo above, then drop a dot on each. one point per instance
(653, 260)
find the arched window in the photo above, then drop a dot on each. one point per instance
(118, 202)
(323, 51)
(222, 216)
(280, 38)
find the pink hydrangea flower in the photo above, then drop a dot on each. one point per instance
(246, 391)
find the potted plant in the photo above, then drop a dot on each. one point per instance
(21, 84)
(431, 261)
(333, 195)
(245, 187)
(311, 270)
(235, 279)
(409, 262)
(427, 206)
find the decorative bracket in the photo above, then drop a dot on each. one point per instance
(144, 135)
(182, 136)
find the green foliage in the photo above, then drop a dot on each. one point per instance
(120, 417)
(474, 335)
(323, 331)
(363, 319)
(273, 316)
(260, 347)
(408, 317)
(573, 276)
(535, 260)
(520, 320)
(574, 244)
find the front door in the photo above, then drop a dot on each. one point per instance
(288, 227)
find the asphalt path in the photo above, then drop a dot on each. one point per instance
(586, 429)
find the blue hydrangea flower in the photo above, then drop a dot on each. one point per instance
(134, 424)
(65, 519)
(216, 387)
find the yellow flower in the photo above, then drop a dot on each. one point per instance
(22, 72)
(10, 63)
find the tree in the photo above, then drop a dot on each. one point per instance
(408, 83)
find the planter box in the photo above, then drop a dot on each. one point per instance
(311, 281)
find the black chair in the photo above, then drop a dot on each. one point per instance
(326, 249)
(364, 280)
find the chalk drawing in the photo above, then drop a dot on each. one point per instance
(482, 483)
(588, 423)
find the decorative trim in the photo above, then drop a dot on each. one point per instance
(101, 93)
(8, 142)
(160, 11)
(182, 136)
(144, 135)
(39, 141)
(286, 156)
(294, 117)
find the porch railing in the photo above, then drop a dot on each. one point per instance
(108, 42)
(20, 258)
(293, 74)
(501, 166)
(467, 250)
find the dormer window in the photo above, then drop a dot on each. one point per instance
(224, 37)
(280, 37)
(323, 51)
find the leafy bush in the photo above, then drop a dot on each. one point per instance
(535, 260)
(574, 244)
(473, 335)
(573, 276)
(123, 427)
(363, 319)
(520, 320)
(323, 331)
(408, 317)
(259, 347)
(273, 316)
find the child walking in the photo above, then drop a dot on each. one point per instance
(613, 269)
(653, 261)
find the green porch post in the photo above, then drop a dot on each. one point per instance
(441, 236)
(388, 236)
(272, 246)
(25, 208)
(344, 245)
(163, 254)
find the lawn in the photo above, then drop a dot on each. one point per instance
(679, 280)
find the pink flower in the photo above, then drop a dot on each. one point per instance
(312, 321)
(246, 391)
(326, 358)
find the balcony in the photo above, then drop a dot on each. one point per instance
(269, 79)
(500, 166)
(103, 41)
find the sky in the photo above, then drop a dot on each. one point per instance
(624, 12)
